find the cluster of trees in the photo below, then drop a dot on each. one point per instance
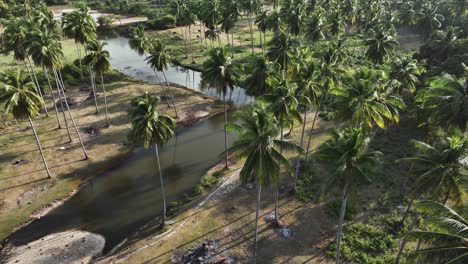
(33, 36)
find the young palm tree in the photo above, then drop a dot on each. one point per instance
(348, 153)
(445, 101)
(220, 72)
(98, 58)
(283, 104)
(151, 128)
(258, 142)
(366, 100)
(158, 59)
(405, 73)
(20, 99)
(445, 236)
(381, 45)
(80, 26)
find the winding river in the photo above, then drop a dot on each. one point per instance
(118, 202)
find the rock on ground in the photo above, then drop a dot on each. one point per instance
(65, 247)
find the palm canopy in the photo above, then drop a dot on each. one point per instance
(98, 57)
(80, 25)
(220, 71)
(440, 170)
(18, 95)
(258, 142)
(139, 40)
(445, 239)
(405, 72)
(258, 72)
(381, 45)
(314, 27)
(158, 58)
(15, 37)
(347, 151)
(281, 48)
(46, 49)
(364, 98)
(445, 102)
(148, 126)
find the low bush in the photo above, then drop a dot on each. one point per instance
(308, 187)
(164, 22)
(208, 181)
(333, 209)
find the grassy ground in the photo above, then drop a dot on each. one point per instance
(25, 188)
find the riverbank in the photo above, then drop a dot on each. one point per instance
(25, 190)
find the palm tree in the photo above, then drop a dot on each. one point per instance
(445, 101)
(295, 19)
(366, 100)
(220, 72)
(151, 128)
(262, 24)
(80, 26)
(405, 73)
(46, 51)
(428, 19)
(20, 99)
(274, 21)
(258, 142)
(281, 49)
(158, 60)
(98, 58)
(445, 237)
(283, 104)
(336, 24)
(348, 153)
(251, 7)
(256, 81)
(381, 45)
(314, 28)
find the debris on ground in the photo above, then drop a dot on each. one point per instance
(285, 232)
(206, 253)
(19, 162)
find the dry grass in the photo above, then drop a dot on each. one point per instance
(25, 188)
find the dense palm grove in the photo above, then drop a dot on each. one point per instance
(329, 59)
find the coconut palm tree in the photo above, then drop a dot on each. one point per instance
(405, 73)
(445, 101)
(295, 19)
(158, 59)
(428, 19)
(256, 81)
(258, 143)
(251, 7)
(151, 128)
(445, 235)
(220, 72)
(274, 21)
(380, 45)
(366, 100)
(336, 24)
(262, 24)
(98, 58)
(348, 153)
(20, 99)
(281, 49)
(314, 27)
(283, 104)
(80, 26)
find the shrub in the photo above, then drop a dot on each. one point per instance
(308, 187)
(333, 209)
(105, 21)
(165, 22)
(365, 243)
(208, 181)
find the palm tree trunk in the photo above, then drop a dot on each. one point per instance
(225, 132)
(32, 75)
(403, 240)
(156, 151)
(341, 221)
(78, 49)
(105, 100)
(313, 126)
(298, 163)
(57, 83)
(40, 147)
(233, 45)
(191, 47)
(161, 84)
(261, 42)
(279, 172)
(93, 86)
(71, 118)
(249, 18)
(53, 97)
(182, 29)
(257, 212)
(170, 92)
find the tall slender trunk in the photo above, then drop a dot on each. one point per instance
(249, 18)
(78, 49)
(313, 126)
(160, 83)
(225, 132)
(279, 173)
(62, 88)
(233, 47)
(298, 163)
(170, 92)
(341, 221)
(40, 147)
(240, 43)
(53, 97)
(156, 151)
(261, 42)
(204, 36)
(32, 75)
(182, 29)
(57, 83)
(105, 100)
(93, 86)
(191, 47)
(403, 240)
(257, 212)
